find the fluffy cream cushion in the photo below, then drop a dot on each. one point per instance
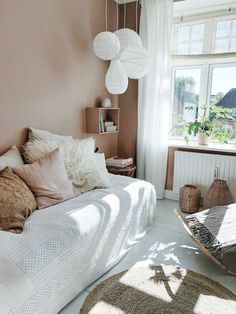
(11, 158)
(47, 179)
(36, 134)
(79, 158)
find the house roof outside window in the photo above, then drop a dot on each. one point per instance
(229, 100)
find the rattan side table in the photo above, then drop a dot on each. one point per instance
(128, 171)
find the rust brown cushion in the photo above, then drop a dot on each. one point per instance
(16, 202)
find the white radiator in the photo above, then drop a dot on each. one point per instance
(200, 169)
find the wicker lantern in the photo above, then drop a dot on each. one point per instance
(189, 199)
(218, 194)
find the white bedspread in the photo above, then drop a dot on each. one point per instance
(66, 247)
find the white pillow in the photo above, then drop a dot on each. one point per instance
(36, 134)
(101, 162)
(11, 158)
(79, 158)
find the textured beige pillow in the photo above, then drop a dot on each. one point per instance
(47, 179)
(16, 202)
(79, 158)
(36, 134)
(11, 158)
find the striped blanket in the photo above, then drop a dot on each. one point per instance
(215, 228)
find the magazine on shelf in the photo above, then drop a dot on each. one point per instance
(111, 128)
(119, 162)
(109, 123)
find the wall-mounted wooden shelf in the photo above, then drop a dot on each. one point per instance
(93, 119)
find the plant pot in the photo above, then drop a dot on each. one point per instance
(203, 138)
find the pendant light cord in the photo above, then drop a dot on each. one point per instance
(117, 16)
(106, 15)
(124, 15)
(137, 16)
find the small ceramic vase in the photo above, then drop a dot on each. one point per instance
(106, 103)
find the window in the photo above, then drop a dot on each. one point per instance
(225, 36)
(215, 35)
(190, 39)
(206, 75)
(186, 93)
(223, 91)
(223, 83)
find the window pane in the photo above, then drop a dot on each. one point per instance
(186, 94)
(234, 28)
(197, 48)
(223, 29)
(223, 92)
(182, 49)
(221, 45)
(183, 33)
(198, 32)
(233, 45)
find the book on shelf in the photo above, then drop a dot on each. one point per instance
(119, 162)
(112, 128)
(108, 123)
(101, 124)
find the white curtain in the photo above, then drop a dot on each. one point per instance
(155, 94)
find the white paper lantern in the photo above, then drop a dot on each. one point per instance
(135, 61)
(128, 38)
(106, 45)
(116, 78)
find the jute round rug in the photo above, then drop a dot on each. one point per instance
(159, 289)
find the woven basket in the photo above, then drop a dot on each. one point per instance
(189, 198)
(218, 194)
(127, 171)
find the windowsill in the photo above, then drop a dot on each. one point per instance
(214, 147)
(204, 55)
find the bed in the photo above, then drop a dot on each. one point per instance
(64, 248)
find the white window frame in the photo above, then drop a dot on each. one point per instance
(186, 67)
(209, 31)
(211, 68)
(214, 27)
(191, 23)
(207, 63)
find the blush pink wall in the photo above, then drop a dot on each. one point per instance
(48, 71)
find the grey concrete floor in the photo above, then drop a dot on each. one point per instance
(167, 243)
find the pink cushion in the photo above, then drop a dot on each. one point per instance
(47, 179)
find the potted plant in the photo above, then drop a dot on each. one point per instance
(211, 126)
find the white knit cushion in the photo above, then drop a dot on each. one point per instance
(11, 158)
(79, 158)
(36, 134)
(101, 161)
